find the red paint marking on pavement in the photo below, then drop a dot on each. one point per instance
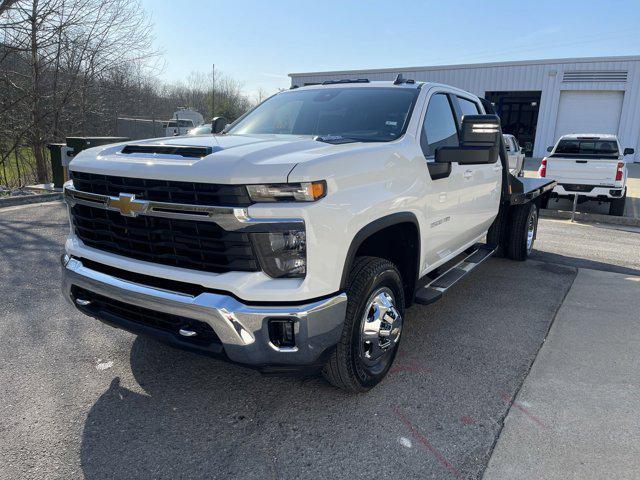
(425, 442)
(467, 420)
(531, 416)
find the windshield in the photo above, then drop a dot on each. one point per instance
(359, 114)
(587, 147)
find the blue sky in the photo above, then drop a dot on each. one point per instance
(260, 42)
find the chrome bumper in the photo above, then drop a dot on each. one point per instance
(242, 329)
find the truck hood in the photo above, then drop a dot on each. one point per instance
(235, 159)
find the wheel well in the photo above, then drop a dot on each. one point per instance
(399, 243)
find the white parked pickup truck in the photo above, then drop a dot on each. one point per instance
(297, 238)
(516, 155)
(590, 166)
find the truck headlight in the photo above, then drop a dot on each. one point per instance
(288, 192)
(282, 254)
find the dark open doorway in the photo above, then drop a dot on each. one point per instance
(518, 112)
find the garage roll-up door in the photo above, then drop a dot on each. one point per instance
(587, 111)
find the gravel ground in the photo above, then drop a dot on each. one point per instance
(83, 400)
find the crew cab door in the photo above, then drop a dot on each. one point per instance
(445, 217)
(480, 197)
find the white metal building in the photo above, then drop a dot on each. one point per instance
(538, 100)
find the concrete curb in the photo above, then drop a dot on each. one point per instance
(27, 199)
(591, 218)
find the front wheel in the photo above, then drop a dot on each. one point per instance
(523, 231)
(372, 327)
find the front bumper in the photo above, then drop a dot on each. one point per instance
(242, 330)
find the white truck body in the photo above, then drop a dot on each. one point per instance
(591, 166)
(409, 193)
(516, 155)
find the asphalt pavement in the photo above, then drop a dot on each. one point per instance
(575, 416)
(83, 400)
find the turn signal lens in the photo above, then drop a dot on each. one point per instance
(619, 172)
(288, 192)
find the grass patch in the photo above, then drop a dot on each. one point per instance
(18, 169)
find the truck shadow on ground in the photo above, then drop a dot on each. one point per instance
(179, 415)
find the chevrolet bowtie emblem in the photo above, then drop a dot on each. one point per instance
(128, 206)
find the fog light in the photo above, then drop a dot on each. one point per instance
(281, 333)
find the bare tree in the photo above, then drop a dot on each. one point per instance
(71, 67)
(61, 50)
(5, 5)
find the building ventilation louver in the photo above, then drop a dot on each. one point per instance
(573, 76)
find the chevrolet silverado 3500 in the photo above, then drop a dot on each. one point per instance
(297, 238)
(590, 166)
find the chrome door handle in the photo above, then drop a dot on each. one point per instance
(468, 174)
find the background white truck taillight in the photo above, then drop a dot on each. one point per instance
(542, 171)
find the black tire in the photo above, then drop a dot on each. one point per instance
(347, 367)
(522, 218)
(616, 206)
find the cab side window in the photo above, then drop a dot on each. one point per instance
(439, 127)
(467, 107)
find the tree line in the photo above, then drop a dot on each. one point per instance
(71, 67)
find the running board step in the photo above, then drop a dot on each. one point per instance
(433, 291)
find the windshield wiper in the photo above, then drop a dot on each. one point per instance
(338, 139)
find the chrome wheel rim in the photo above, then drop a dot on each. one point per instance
(380, 328)
(531, 229)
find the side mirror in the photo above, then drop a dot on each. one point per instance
(550, 149)
(480, 141)
(521, 149)
(218, 124)
(629, 151)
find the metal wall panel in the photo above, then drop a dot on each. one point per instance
(544, 76)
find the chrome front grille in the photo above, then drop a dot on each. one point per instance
(196, 245)
(163, 190)
(116, 217)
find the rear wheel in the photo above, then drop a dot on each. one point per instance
(372, 327)
(523, 230)
(616, 206)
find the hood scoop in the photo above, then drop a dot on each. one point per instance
(188, 151)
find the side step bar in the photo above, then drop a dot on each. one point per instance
(433, 291)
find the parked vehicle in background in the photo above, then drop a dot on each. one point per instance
(177, 127)
(297, 239)
(184, 113)
(516, 155)
(204, 129)
(591, 166)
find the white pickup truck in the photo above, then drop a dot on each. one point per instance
(516, 155)
(590, 166)
(295, 240)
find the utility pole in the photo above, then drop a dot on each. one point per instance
(213, 90)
